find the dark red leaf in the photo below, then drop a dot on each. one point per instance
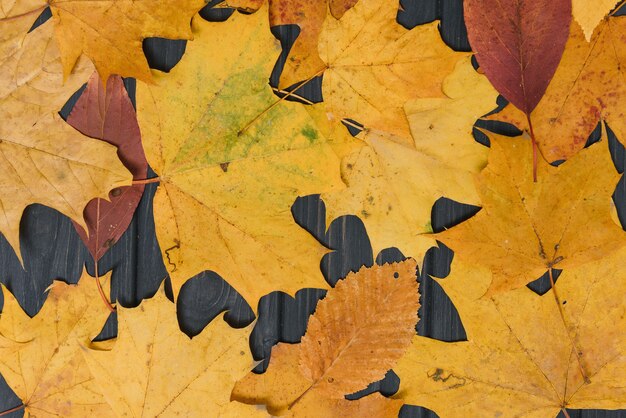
(518, 44)
(110, 116)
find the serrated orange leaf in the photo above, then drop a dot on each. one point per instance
(356, 335)
(525, 228)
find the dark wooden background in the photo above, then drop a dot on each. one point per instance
(51, 248)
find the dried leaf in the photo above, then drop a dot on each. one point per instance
(154, 369)
(44, 160)
(40, 357)
(525, 228)
(109, 32)
(355, 336)
(590, 14)
(230, 169)
(588, 87)
(303, 60)
(520, 357)
(375, 65)
(518, 44)
(109, 115)
(393, 188)
(442, 127)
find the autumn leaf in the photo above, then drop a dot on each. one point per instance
(109, 32)
(588, 15)
(303, 60)
(393, 188)
(525, 355)
(442, 127)
(109, 115)
(231, 161)
(526, 228)
(40, 357)
(519, 56)
(588, 87)
(374, 65)
(356, 335)
(44, 160)
(154, 369)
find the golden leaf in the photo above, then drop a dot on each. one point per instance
(442, 127)
(109, 32)
(358, 332)
(303, 60)
(589, 14)
(525, 228)
(231, 162)
(393, 188)
(374, 65)
(525, 355)
(40, 357)
(154, 369)
(43, 159)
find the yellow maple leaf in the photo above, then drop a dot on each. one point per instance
(393, 188)
(40, 357)
(43, 159)
(109, 32)
(374, 65)
(525, 228)
(231, 161)
(442, 127)
(154, 369)
(525, 355)
(303, 60)
(358, 332)
(588, 87)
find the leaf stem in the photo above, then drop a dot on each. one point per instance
(292, 92)
(565, 413)
(534, 144)
(32, 12)
(95, 261)
(147, 181)
(572, 342)
(8, 411)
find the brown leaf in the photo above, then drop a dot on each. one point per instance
(518, 44)
(524, 228)
(110, 116)
(356, 335)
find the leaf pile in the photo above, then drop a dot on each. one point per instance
(403, 125)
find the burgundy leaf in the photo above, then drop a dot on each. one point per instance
(110, 116)
(518, 44)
